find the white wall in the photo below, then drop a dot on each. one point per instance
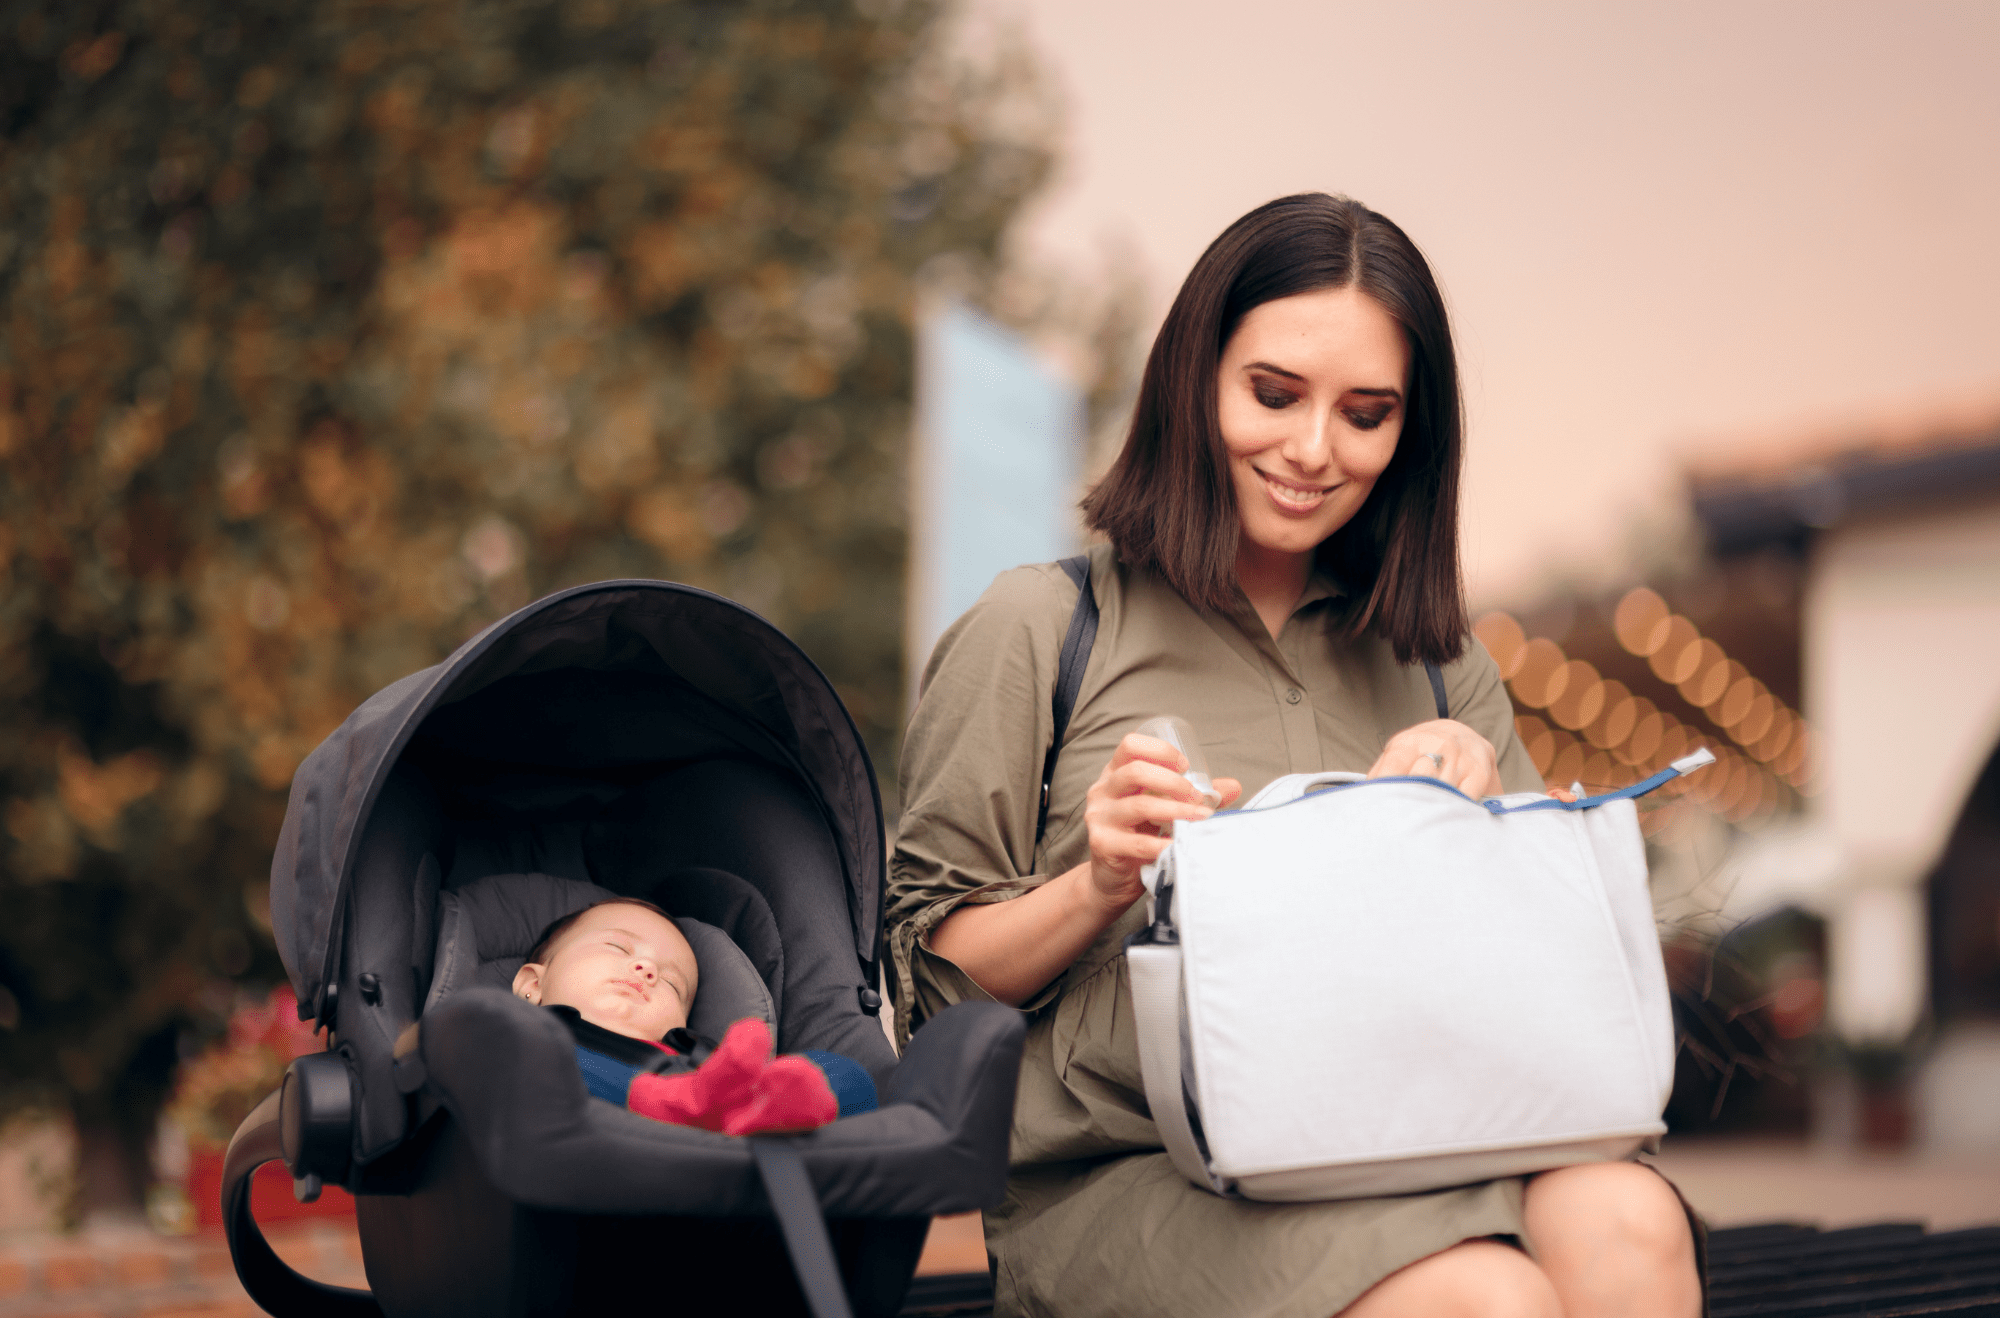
(1902, 680)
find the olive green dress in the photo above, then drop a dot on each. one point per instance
(1096, 1218)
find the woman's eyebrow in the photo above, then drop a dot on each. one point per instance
(1275, 370)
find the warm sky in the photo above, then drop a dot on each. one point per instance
(1663, 229)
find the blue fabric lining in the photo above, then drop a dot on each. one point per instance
(850, 1082)
(1492, 804)
(605, 1077)
(1640, 788)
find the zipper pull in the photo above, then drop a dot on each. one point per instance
(1699, 758)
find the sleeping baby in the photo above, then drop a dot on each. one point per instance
(622, 977)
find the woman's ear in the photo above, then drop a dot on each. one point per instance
(528, 983)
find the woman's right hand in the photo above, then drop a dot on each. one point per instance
(1141, 789)
(1014, 948)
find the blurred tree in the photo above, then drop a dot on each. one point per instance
(328, 333)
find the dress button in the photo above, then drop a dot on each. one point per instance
(1293, 696)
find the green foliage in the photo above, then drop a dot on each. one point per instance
(331, 332)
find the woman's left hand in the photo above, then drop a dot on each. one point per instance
(1442, 748)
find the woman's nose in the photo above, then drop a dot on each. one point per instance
(1310, 446)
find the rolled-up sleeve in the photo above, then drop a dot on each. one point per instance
(971, 781)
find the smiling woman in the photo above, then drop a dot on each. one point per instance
(1323, 315)
(1306, 440)
(1282, 572)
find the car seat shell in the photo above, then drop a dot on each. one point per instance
(640, 738)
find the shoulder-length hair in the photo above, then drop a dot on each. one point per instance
(1168, 503)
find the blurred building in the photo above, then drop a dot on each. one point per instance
(994, 462)
(1839, 647)
(1898, 537)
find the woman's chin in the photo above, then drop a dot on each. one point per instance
(1288, 538)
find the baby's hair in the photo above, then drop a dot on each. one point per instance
(558, 928)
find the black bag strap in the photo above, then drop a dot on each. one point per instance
(1437, 690)
(796, 1207)
(1070, 664)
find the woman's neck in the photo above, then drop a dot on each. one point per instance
(1273, 580)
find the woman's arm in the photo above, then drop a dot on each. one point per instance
(1013, 948)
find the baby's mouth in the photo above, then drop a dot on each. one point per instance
(1289, 495)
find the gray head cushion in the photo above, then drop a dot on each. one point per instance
(487, 928)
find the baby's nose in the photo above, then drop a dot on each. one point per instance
(643, 967)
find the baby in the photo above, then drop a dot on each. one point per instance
(622, 977)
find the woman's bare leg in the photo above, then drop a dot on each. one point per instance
(1613, 1239)
(1476, 1279)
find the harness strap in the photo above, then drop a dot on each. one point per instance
(796, 1207)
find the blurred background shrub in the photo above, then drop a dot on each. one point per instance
(330, 333)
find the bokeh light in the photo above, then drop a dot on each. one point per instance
(1601, 733)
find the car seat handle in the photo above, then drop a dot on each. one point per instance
(269, 1280)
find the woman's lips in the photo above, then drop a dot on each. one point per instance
(1292, 497)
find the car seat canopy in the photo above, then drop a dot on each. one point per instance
(555, 713)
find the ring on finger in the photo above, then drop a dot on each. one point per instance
(1435, 758)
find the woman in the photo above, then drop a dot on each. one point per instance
(1283, 559)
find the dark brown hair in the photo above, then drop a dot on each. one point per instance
(558, 928)
(1168, 504)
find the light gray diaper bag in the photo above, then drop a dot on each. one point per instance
(1380, 987)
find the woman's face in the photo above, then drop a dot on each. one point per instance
(1311, 399)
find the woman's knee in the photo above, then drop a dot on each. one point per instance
(1477, 1279)
(1619, 1207)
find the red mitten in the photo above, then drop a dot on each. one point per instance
(791, 1095)
(711, 1095)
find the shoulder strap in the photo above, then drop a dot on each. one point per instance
(796, 1206)
(1437, 690)
(1070, 664)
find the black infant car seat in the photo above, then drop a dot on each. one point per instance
(631, 737)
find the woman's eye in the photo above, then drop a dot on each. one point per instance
(1275, 398)
(1366, 420)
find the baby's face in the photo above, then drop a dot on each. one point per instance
(622, 967)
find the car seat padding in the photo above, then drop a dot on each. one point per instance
(487, 927)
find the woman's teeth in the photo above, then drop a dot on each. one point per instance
(1293, 496)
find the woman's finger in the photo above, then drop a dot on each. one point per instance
(1133, 748)
(1145, 776)
(1229, 789)
(1131, 811)
(1407, 761)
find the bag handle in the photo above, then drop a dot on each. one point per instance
(1285, 790)
(1156, 1006)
